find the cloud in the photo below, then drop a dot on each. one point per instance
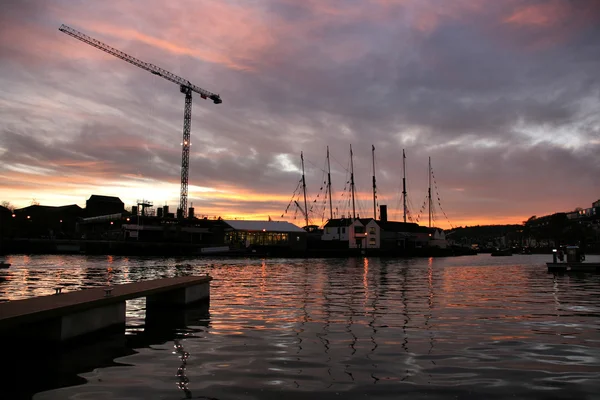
(502, 95)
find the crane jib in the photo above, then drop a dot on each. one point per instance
(205, 94)
(185, 86)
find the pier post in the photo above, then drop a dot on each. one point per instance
(160, 322)
(181, 296)
(93, 320)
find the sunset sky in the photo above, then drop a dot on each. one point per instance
(504, 96)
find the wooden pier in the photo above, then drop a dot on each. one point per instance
(65, 316)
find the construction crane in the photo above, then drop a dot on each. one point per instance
(185, 87)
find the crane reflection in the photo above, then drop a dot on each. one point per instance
(182, 379)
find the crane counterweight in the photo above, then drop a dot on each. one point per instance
(185, 86)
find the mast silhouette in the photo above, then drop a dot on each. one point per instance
(374, 185)
(352, 184)
(304, 189)
(329, 185)
(404, 182)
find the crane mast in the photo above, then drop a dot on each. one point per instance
(374, 185)
(429, 193)
(404, 183)
(185, 86)
(352, 184)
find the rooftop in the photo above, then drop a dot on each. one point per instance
(108, 199)
(269, 226)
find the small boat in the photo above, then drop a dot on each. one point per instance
(575, 262)
(525, 250)
(502, 253)
(4, 264)
(573, 266)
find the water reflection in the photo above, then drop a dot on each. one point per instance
(365, 326)
(182, 379)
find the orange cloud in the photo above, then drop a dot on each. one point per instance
(555, 22)
(541, 15)
(213, 31)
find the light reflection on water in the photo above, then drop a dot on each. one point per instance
(476, 326)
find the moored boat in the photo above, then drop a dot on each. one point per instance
(502, 252)
(575, 261)
(573, 266)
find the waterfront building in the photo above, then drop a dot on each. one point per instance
(47, 222)
(265, 235)
(337, 229)
(369, 233)
(358, 236)
(98, 205)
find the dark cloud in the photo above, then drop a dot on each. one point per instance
(502, 95)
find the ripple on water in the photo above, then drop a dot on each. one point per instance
(466, 327)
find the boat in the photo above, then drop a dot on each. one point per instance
(4, 264)
(573, 266)
(575, 262)
(501, 253)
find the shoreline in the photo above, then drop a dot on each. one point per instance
(170, 249)
(126, 248)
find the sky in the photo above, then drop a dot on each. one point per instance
(503, 96)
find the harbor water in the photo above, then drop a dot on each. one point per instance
(473, 327)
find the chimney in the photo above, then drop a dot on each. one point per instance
(383, 213)
(165, 211)
(191, 213)
(159, 212)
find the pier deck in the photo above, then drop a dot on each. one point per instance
(85, 311)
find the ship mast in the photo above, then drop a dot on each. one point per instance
(429, 193)
(329, 185)
(352, 184)
(374, 185)
(304, 189)
(404, 182)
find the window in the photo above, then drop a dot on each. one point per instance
(256, 238)
(372, 230)
(343, 230)
(359, 229)
(372, 241)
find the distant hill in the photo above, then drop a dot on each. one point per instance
(482, 232)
